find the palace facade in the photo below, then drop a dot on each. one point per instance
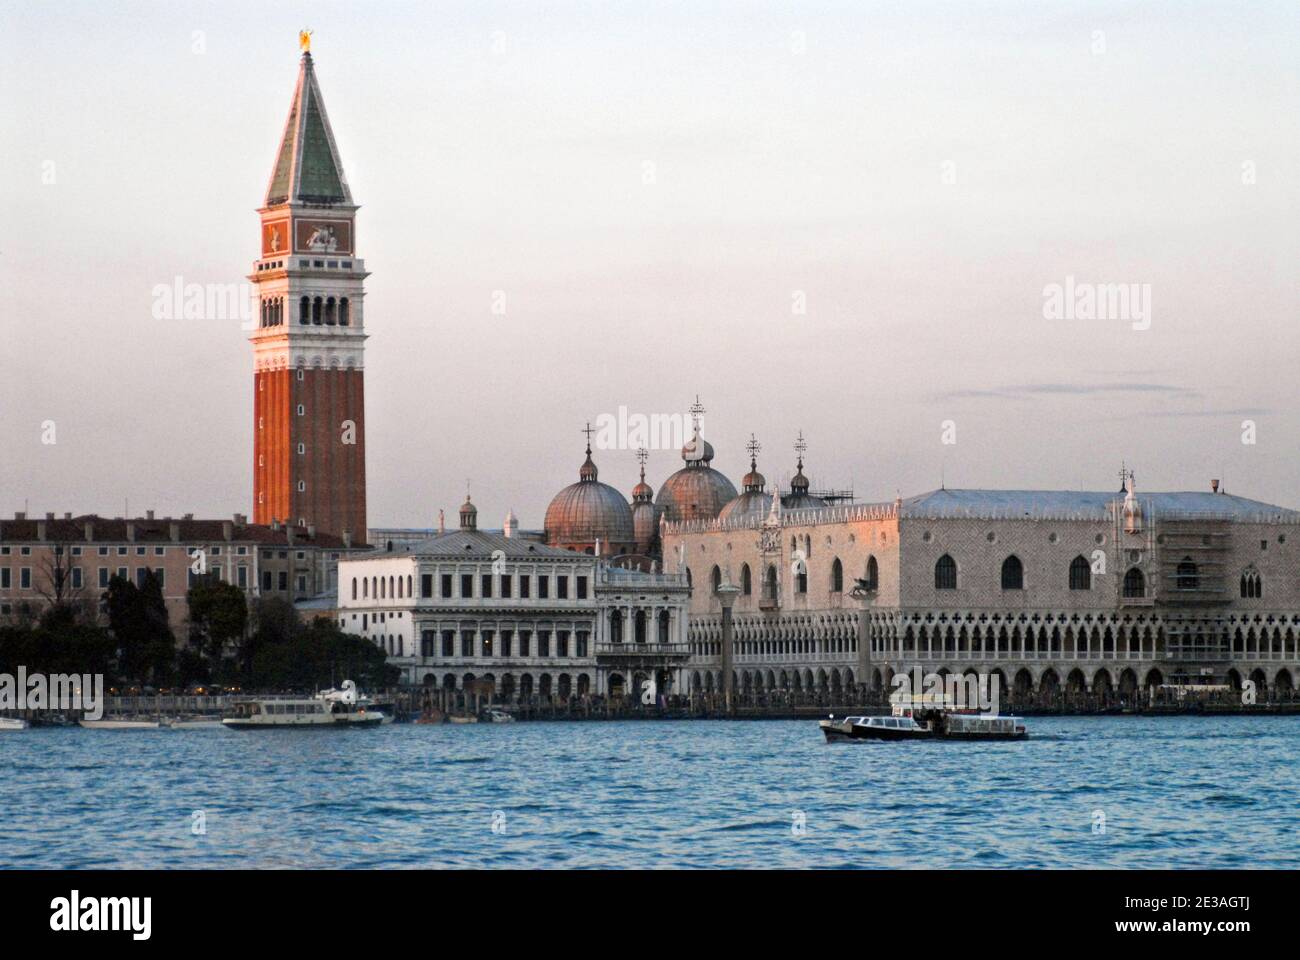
(1087, 591)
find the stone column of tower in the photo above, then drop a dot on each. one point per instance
(309, 449)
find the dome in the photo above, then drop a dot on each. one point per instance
(468, 515)
(645, 523)
(753, 503)
(587, 511)
(799, 498)
(696, 491)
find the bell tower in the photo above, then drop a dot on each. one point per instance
(309, 449)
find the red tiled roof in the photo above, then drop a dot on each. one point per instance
(158, 530)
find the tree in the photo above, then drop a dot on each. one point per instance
(319, 655)
(218, 617)
(137, 617)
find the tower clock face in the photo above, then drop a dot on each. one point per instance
(323, 236)
(275, 237)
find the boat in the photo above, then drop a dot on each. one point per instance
(12, 723)
(328, 709)
(925, 718)
(498, 716)
(120, 724)
(470, 719)
(194, 723)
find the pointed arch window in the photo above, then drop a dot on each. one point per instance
(1080, 574)
(872, 579)
(1135, 584)
(1013, 573)
(1252, 585)
(837, 576)
(746, 580)
(769, 588)
(716, 577)
(304, 310)
(945, 573)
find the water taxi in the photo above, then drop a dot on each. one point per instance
(925, 718)
(329, 708)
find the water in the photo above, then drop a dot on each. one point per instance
(1175, 792)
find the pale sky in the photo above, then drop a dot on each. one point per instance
(653, 186)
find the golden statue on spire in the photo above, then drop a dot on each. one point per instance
(304, 41)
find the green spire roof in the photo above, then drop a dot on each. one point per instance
(307, 168)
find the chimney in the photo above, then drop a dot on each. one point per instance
(50, 515)
(188, 516)
(347, 540)
(67, 515)
(130, 530)
(1214, 486)
(174, 530)
(241, 520)
(442, 524)
(20, 516)
(148, 514)
(90, 531)
(40, 529)
(288, 534)
(311, 531)
(275, 524)
(227, 530)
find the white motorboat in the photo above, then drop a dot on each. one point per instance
(13, 723)
(194, 723)
(329, 708)
(499, 716)
(120, 724)
(925, 718)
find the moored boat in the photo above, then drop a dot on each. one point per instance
(13, 723)
(120, 724)
(329, 708)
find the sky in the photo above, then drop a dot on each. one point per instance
(845, 219)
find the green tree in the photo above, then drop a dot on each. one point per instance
(137, 617)
(218, 618)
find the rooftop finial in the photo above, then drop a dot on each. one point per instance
(800, 446)
(304, 41)
(754, 448)
(642, 455)
(696, 411)
(588, 431)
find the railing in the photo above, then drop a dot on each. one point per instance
(643, 649)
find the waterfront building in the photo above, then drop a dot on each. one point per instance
(309, 449)
(72, 558)
(1050, 590)
(471, 609)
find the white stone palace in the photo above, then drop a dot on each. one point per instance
(471, 609)
(1096, 591)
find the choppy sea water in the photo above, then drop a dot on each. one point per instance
(1174, 792)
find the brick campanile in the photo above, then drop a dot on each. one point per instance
(309, 446)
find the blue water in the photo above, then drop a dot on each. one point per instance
(1175, 792)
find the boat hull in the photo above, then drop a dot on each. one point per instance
(329, 723)
(120, 724)
(850, 732)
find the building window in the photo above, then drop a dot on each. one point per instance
(301, 410)
(715, 578)
(6, 578)
(302, 448)
(445, 584)
(448, 643)
(1080, 574)
(507, 585)
(302, 486)
(243, 578)
(103, 578)
(837, 576)
(801, 578)
(1252, 585)
(485, 585)
(467, 585)
(1135, 585)
(562, 587)
(487, 643)
(266, 579)
(76, 578)
(543, 587)
(580, 642)
(426, 585)
(543, 643)
(945, 573)
(503, 649)
(1013, 573)
(467, 643)
(525, 586)
(582, 587)
(525, 638)
(284, 579)
(872, 579)
(25, 578)
(562, 643)
(746, 580)
(1187, 578)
